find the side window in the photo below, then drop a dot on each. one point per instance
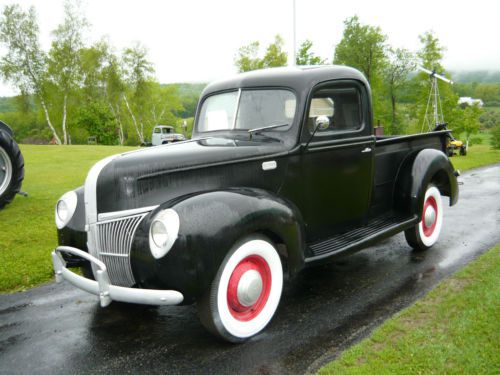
(165, 130)
(157, 130)
(342, 107)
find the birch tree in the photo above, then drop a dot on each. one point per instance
(25, 64)
(139, 78)
(114, 87)
(64, 57)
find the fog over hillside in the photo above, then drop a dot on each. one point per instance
(480, 76)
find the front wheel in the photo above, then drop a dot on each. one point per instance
(426, 233)
(245, 292)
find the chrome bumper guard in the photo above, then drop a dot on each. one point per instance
(103, 287)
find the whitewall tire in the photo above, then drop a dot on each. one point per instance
(426, 233)
(245, 292)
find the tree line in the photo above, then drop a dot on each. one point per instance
(80, 90)
(76, 90)
(399, 93)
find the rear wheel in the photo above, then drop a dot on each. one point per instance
(11, 169)
(463, 150)
(426, 233)
(245, 292)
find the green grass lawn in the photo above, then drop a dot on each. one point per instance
(455, 329)
(477, 156)
(27, 229)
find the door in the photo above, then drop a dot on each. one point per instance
(337, 164)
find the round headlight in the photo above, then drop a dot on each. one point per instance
(65, 208)
(62, 210)
(159, 233)
(163, 232)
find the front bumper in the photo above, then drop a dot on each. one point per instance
(103, 287)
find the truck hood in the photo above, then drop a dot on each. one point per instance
(154, 175)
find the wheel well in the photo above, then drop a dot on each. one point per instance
(442, 182)
(280, 246)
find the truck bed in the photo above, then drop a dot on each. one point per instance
(390, 151)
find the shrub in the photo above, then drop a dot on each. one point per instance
(495, 137)
(475, 141)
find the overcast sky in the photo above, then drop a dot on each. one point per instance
(196, 41)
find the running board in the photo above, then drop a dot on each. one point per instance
(355, 239)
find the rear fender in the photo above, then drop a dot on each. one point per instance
(419, 170)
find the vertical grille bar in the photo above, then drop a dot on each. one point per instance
(114, 242)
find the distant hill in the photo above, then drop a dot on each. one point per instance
(479, 76)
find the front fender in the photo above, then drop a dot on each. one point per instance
(417, 172)
(210, 224)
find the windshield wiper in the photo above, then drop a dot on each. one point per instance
(264, 128)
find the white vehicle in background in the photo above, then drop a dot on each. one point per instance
(163, 134)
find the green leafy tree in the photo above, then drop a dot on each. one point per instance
(495, 137)
(139, 79)
(115, 87)
(64, 58)
(97, 119)
(400, 64)
(469, 121)
(362, 47)
(275, 56)
(306, 57)
(488, 92)
(489, 119)
(431, 53)
(248, 59)
(25, 64)
(429, 56)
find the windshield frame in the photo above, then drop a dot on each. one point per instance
(237, 131)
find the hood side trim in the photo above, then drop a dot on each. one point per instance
(90, 193)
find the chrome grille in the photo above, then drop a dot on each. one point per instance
(113, 245)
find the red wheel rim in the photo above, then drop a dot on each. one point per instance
(236, 308)
(430, 203)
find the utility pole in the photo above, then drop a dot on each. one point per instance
(294, 52)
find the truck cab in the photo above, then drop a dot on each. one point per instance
(163, 134)
(283, 172)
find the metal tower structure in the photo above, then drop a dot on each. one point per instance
(434, 117)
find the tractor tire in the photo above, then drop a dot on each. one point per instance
(11, 168)
(463, 150)
(450, 151)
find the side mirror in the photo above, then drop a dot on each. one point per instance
(322, 123)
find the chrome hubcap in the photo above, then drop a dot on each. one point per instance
(430, 216)
(249, 288)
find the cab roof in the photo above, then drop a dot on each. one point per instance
(298, 78)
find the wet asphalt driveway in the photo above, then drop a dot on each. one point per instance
(58, 329)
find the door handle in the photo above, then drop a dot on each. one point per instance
(367, 149)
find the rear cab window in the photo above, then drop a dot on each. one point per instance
(341, 105)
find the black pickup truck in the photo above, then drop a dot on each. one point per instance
(282, 172)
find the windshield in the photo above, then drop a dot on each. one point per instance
(247, 109)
